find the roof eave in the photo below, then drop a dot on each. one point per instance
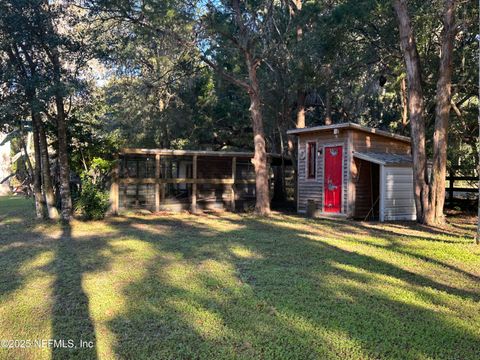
(349, 125)
(140, 151)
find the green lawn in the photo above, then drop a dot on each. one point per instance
(180, 286)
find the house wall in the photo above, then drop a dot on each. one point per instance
(312, 189)
(397, 187)
(362, 141)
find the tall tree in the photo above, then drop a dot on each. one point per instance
(41, 40)
(429, 193)
(442, 114)
(240, 26)
(415, 107)
(477, 237)
(296, 8)
(22, 80)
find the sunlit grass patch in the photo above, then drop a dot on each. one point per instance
(226, 286)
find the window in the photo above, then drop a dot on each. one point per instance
(311, 160)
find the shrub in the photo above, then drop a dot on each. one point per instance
(93, 202)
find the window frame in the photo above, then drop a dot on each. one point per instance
(311, 175)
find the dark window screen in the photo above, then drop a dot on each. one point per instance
(311, 159)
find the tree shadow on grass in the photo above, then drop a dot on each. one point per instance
(292, 297)
(15, 249)
(71, 320)
(24, 241)
(396, 242)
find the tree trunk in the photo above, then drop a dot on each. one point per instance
(28, 163)
(37, 175)
(301, 93)
(477, 237)
(442, 114)
(416, 110)
(262, 205)
(296, 11)
(292, 153)
(62, 143)
(403, 96)
(45, 166)
(301, 97)
(328, 108)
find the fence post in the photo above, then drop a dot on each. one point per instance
(194, 185)
(157, 182)
(451, 186)
(234, 169)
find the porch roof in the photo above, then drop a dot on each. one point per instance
(385, 158)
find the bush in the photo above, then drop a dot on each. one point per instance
(93, 202)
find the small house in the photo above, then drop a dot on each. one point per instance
(354, 171)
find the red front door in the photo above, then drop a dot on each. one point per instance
(332, 177)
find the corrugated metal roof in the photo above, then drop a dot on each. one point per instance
(385, 158)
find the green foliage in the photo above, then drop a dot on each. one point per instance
(149, 88)
(162, 97)
(93, 201)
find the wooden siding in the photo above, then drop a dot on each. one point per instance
(366, 181)
(312, 189)
(397, 187)
(376, 143)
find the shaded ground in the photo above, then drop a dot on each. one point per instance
(180, 286)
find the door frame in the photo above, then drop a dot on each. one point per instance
(342, 196)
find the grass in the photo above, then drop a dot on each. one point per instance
(225, 286)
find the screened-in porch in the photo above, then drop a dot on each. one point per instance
(157, 179)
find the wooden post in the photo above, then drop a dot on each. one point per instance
(114, 193)
(137, 200)
(383, 185)
(125, 187)
(194, 185)
(157, 183)
(234, 171)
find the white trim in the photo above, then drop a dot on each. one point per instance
(349, 125)
(382, 193)
(342, 145)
